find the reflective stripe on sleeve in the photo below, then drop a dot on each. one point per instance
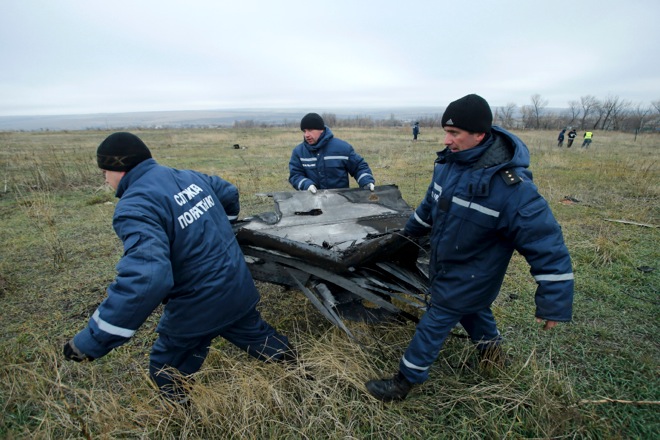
(363, 175)
(301, 182)
(421, 222)
(111, 329)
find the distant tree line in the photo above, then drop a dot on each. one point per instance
(610, 113)
(364, 121)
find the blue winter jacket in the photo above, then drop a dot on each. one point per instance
(327, 164)
(480, 207)
(179, 249)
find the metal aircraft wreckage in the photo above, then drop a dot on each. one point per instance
(344, 249)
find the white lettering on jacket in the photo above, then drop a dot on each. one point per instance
(196, 211)
(187, 194)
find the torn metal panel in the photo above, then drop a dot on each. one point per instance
(324, 304)
(339, 228)
(343, 247)
(404, 275)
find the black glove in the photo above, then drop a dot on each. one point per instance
(72, 353)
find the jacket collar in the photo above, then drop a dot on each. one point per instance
(133, 175)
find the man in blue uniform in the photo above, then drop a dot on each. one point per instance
(480, 206)
(323, 161)
(179, 250)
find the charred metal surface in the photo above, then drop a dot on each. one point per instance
(343, 249)
(340, 228)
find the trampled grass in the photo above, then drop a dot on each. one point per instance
(596, 377)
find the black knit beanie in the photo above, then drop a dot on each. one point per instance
(312, 121)
(121, 152)
(471, 113)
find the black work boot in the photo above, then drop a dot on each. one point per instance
(387, 390)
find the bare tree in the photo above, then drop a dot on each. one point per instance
(656, 105)
(538, 105)
(528, 116)
(430, 121)
(573, 112)
(330, 119)
(245, 123)
(638, 117)
(612, 109)
(622, 112)
(654, 120)
(589, 105)
(505, 115)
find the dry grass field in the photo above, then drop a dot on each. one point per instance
(597, 377)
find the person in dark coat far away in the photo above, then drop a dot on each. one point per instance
(560, 138)
(179, 250)
(481, 205)
(323, 161)
(571, 137)
(415, 131)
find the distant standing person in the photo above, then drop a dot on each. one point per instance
(571, 137)
(323, 161)
(415, 131)
(588, 135)
(560, 138)
(179, 250)
(480, 207)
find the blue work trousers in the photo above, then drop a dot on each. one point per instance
(433, 329)
(187, 354)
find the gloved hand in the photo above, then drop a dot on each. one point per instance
(369, 186)
(312, 189)
(72, 353)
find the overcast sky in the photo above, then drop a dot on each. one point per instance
(88, 56)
